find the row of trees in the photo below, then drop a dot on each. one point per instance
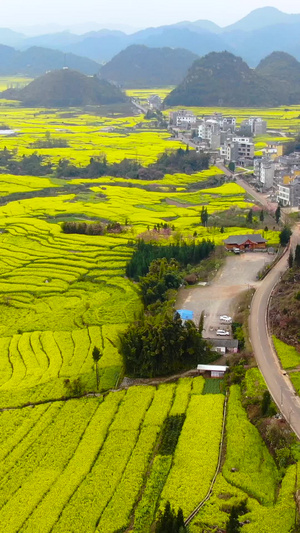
(32, 165)
(186, 253)
(169, 162)
(84, 228)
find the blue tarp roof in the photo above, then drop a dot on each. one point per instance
(185, 314)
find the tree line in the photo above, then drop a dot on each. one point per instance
(169, 162)
(83, 228)
(186, 253)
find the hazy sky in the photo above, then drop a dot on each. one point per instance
(135, 13)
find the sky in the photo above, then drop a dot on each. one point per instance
(133, 13)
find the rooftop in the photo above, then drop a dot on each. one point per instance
(185, 314)
(240, 239)
(216, 368)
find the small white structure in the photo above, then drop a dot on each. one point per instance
(216, 371)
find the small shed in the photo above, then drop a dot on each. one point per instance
(185, 314)
(215, 371)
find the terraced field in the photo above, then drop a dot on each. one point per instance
(101, 463)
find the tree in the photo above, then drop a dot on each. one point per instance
(266, 401)
(96, 357)
(169, 522)
(297, 256)
(277, 213)
(231, 166)
(250, 216)
(222, 229)
(284, 236)
(291, 259)
(233, 524)
(204, 216)
(261, 216)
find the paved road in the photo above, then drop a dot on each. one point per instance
(258, 196)
(278, 383)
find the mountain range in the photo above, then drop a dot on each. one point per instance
(259, 33)
(223, 79)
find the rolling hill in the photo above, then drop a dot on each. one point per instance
(222, 79)
(64, 88)
(139, 66)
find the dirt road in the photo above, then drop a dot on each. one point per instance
(235, 277)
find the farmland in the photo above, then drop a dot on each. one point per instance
(105, 463)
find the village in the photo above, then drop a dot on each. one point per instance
(275, 172)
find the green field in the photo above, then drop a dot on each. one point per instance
(99, 463)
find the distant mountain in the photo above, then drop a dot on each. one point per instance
(36, 61)
(139, 66)
(57, 41)
(11, 38)
(66, 88)
(261, 18)
(253, 37)
(222, 79)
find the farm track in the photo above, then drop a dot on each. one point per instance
(208, 495)
(152, 382)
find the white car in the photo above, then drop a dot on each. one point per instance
(226, 318)
(222, 332)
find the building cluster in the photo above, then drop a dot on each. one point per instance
(273, 171)
(220, 133)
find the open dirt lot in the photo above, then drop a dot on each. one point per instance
(220, 297)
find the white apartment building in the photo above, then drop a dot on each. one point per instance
(182, 118)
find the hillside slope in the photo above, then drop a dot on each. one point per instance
(63, 88)
(139, 66)
(223, 79)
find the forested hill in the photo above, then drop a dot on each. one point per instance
(223, 79)
(36, 60)
(63, 88)
(140, 66)
(283, 71)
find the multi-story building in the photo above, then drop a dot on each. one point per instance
(238, 149)
(209, 130)
(246, 148)
(230, 151)
(253, 126)
(182, 118)
(264, 170)
(289, 194)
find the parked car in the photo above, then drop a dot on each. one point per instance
(222, 332)
(225, 318)
(236, 250)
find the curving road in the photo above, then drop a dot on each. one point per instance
(277, 380)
